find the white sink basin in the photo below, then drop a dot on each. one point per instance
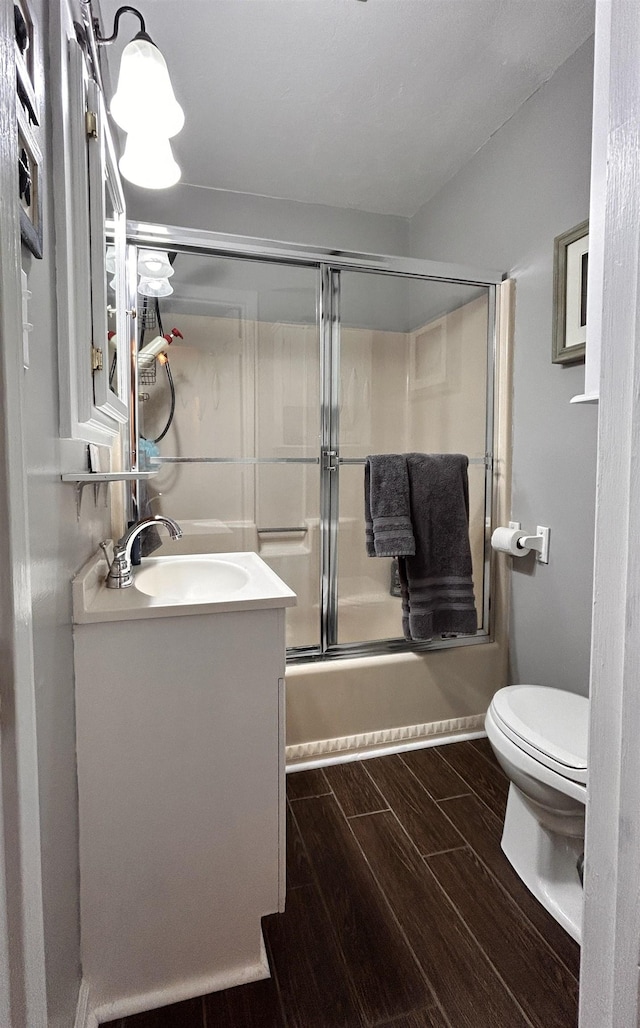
(194, 579)
(179, 585)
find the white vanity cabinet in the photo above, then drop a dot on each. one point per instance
(180, 742)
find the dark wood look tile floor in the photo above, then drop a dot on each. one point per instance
(402, 911)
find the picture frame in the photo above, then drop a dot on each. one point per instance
(24, 51)
(29, 186)
(570, 268)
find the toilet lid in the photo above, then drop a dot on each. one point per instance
(551, 724)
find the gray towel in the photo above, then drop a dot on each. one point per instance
(388, 530)
(436, 583)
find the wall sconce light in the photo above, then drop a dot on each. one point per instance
(145, 106)
(144, 101)
(149, 162)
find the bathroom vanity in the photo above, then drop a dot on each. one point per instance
(180, 742)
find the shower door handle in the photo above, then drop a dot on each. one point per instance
(329, 460)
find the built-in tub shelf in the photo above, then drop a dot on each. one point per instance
(98, 478)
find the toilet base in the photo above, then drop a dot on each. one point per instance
(545, 861)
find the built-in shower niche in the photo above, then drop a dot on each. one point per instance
(261, 405)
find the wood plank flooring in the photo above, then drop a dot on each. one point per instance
(402, 911)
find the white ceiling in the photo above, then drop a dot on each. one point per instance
(368, 105)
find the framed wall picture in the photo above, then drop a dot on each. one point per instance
(24, 57)
(29, 186)
(570, 268)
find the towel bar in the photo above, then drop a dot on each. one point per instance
(361, 460)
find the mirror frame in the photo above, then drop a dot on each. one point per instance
(103, 176)
(88, 411)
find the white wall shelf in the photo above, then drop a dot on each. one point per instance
(83, 477)
(585, 398)
(98, 478)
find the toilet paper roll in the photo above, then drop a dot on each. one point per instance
(506, 541)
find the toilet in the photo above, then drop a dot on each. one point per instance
(539, 736)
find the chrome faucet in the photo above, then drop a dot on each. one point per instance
(120, 573)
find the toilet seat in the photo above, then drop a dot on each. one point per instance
(550, 725)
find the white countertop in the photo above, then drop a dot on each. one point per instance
(93, 602)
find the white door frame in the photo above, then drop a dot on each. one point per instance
(22, 963)
(611, 934)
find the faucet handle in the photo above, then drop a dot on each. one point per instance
(119, 574)
(104, 546)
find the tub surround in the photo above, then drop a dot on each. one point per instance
(249, 387)
(180, 736)
(339, 708)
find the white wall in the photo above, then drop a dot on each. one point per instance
(59, 546)
(529, 183)
(267, 218)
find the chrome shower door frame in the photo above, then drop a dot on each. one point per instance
(329, 263)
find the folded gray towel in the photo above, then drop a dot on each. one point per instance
(388, 530)
(436, 583)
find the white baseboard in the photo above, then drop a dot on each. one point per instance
(307, 755)
(86, 1017)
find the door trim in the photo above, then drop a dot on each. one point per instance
(22, 963)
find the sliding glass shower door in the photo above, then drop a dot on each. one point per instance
(291, 371)
(413, 376)
(239, 462)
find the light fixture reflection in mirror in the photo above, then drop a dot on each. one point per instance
(154, 264)
(155, 287)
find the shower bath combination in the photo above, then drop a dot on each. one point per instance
(297, 364)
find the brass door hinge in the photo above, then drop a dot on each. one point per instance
(96, 358)
(91, 124)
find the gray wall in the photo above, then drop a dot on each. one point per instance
(268, 218)
(380, 304)
(59, 547)
(529, 183)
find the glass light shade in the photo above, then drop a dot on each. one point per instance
(154, 264)
(110, 261)
(155, 287)
(148, 161)
(112, 282)
(144, 100)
